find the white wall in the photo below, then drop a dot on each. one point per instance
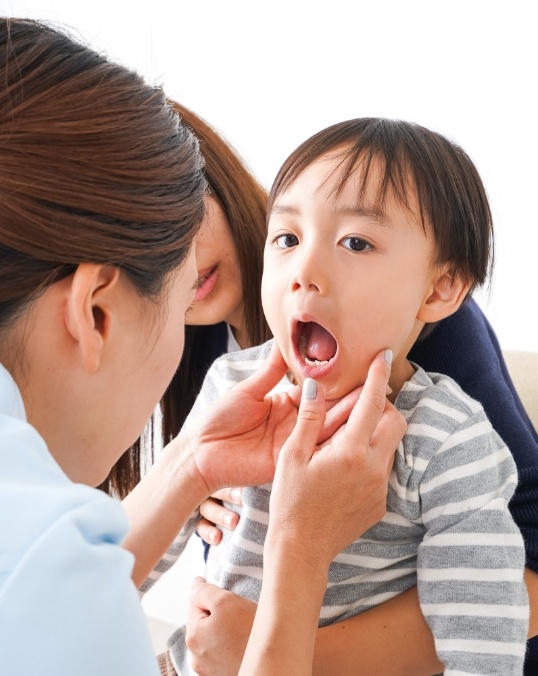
(267, 75)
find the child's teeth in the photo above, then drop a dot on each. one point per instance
(314, 362)
(310, 362)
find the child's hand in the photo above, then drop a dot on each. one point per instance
(218, 627)
(214, 514)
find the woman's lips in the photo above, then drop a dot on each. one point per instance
(206, 283)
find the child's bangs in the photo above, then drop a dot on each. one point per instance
(367, 149)
(391, 170)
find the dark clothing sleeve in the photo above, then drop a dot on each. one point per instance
(465, 347)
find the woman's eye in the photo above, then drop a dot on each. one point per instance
(356, 244)
(286, 241)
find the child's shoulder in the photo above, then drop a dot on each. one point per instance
(437, 398)
(236, 366)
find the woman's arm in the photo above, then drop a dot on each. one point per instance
(392, 639)
(349, 475)
(236, 441)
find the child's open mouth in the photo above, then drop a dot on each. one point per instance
(315, 346)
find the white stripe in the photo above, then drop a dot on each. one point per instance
(330, 612)
(240, 365)
(463, 673)
(469, 469)
(373, 576)
(477, 646)
(248, 571)
(475, 610)
(490, 501)
(467, 434)
(221, 383)
(248, 545)
(256, 515)
(369, 562)
(402, 492)
(447, 411)
(395, 519)
(471, 574)
(170, 558)
(473, 539)
(410, 386)
(423, 430)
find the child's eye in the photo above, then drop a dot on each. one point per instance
(356, 244)
(286, 241)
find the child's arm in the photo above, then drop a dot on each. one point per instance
(154, 524)
(471, 561)
(465, 347)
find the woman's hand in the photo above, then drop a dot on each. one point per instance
(330, 494)
(237, 440)
(324, 496)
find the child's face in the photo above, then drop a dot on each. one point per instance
(341, 282)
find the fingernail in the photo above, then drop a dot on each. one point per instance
(237, 494)
(196, 585)
(227, 519)
(389, 389)
(310, 388)
(388, 357)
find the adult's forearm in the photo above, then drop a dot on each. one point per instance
(284, 631)
(391, 639)
(531, 580)
(159, 507)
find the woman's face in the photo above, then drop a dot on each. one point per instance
(220, 292)
(98, 360)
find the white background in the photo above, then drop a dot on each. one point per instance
(269, 74)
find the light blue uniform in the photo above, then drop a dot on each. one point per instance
(68, 606)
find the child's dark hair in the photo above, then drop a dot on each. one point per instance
(451, 197)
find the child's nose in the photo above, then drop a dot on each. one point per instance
(310, 275)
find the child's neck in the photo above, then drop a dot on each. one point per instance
(401, 372)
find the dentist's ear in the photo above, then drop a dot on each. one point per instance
(446, 296)
(88, 311)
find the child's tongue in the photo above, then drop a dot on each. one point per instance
(320, 344)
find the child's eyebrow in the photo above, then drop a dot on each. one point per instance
(283, 209)
(372, 214)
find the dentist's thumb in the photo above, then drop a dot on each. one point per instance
(303, 440)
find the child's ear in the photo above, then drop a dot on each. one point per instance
(448, 293)
(88, 311)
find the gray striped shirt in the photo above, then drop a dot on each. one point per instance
(447, 529)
